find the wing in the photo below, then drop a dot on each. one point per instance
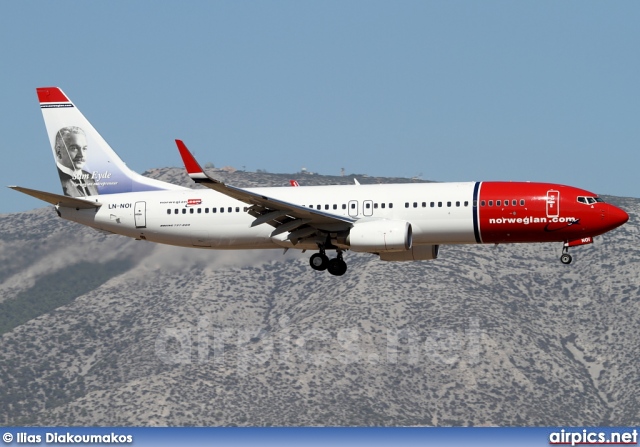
(56, 199)
(298, 221)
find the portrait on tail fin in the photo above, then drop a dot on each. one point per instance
(71, 151)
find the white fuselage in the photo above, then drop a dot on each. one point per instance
(208, 219)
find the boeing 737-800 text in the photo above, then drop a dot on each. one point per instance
(397, 222)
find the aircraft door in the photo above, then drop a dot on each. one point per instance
(353, 208)
(367, 207)
(140, 214)
(553, 203)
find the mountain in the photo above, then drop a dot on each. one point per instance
(102, 330)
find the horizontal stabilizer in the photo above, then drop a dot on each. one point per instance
(57, 199)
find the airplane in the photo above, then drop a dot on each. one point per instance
(396, 222)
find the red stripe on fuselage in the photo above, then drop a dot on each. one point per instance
(537, 212)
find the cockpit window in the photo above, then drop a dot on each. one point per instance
(589, 200)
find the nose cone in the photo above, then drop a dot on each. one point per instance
(617, 216)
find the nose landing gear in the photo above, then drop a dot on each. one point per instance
(566, 257)
(336, 266)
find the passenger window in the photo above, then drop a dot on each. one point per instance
(237, 209)
(406, 204)
(168, 211)
(497, 203)
(344, 206)
(382, 205)
(521, 202)
(326, 207)
(482, 203)
(184, 211)
(466, 203)
(439, 204)
(191, 210)
(199, 210)
(222, 209)
(206, 210)
(230, 209)
(424, 204)
(415, 204)
(457, 203)
(335, 207)
(448, 203)
(506, 203)
(490, 202)
(375, 206)
(514, 202)
(175, 211)
(213, 210)
(391, 205)
(432, 204)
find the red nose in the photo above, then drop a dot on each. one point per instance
(617, 216)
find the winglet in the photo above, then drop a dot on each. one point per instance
(194, 169)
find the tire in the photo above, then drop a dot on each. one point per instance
(319, 262)
(566, 258)
(337, 267)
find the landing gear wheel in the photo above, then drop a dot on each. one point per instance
(319, 261)
(337, 267)
(566, 258)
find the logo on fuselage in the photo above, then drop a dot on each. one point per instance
(553, 203)
(533, 220)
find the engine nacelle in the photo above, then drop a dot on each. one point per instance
(380, 236)
(417, 253)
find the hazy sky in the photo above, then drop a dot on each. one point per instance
(449, 90)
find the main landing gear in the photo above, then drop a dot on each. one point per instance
(566, 257)
(335, 266)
